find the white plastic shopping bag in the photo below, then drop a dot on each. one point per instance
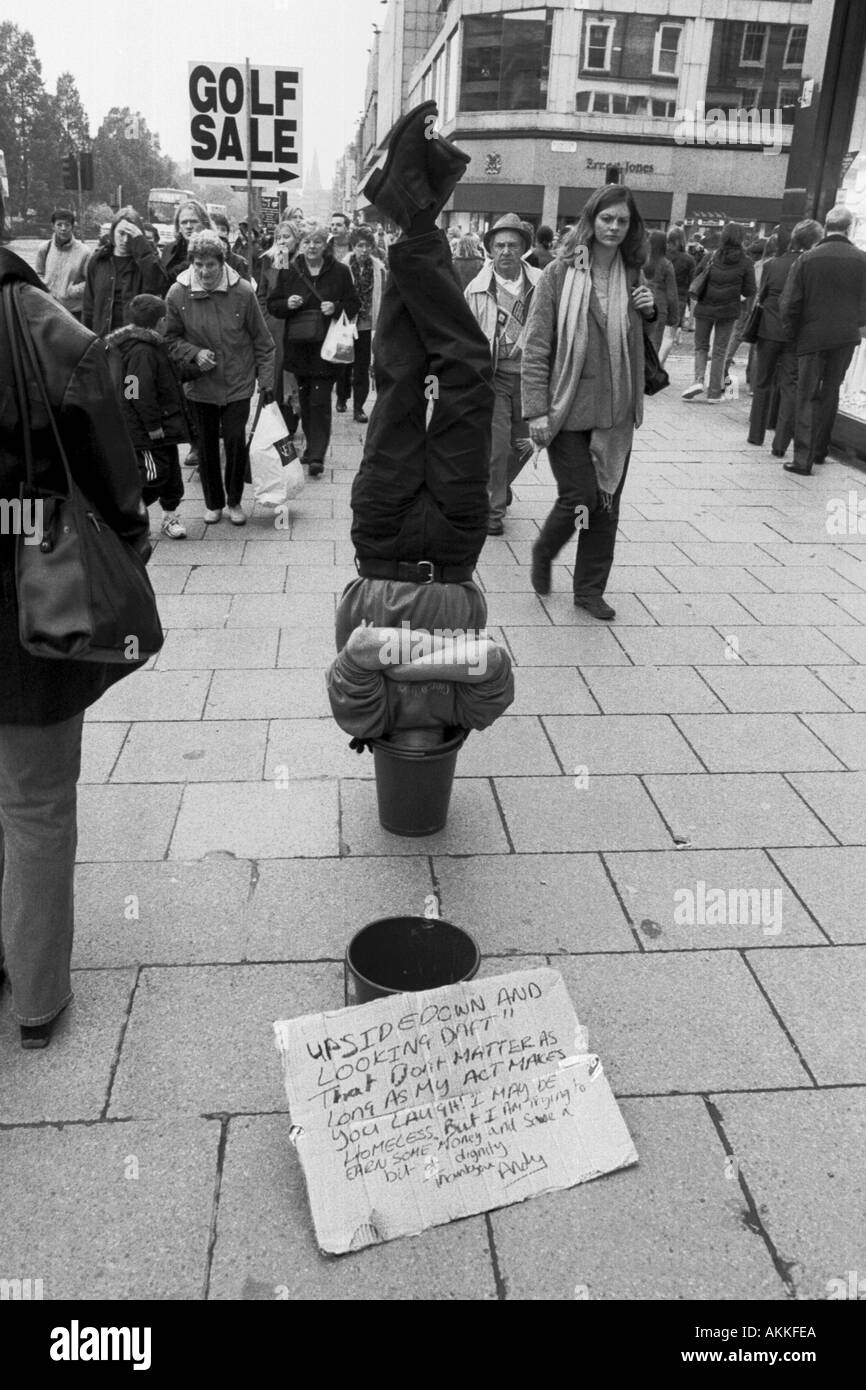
(275, 469)
(339, 344)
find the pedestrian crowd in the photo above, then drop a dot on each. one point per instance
(534, 340)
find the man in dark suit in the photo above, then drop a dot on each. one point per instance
(823, 308)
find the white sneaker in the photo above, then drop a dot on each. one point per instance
(237, 516)
(173, 527)
(213, 515)
(694, 390)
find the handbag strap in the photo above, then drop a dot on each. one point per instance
(20, 382)
(36, 372)
(310, 287)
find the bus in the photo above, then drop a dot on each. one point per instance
(217, 210)
(162, 204)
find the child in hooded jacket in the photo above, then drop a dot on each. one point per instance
(154, 406)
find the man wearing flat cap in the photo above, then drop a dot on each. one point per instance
(499, 297)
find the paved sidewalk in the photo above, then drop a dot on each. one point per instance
(714, 735)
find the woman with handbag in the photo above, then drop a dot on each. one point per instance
(776, 361)
(583, 385)
(214, 321)
(310, 295)
(724, 281)
(60, 422)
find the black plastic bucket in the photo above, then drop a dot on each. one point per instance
(413, 785)
(399, 955)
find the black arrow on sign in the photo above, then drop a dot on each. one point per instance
(278, 175)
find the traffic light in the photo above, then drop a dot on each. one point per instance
(86, 163)
(70, 172)
(71, 165)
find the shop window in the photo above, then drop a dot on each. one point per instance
(754, 50)
(597, 48)
(795, 49)
(506, 58)
(666, 50)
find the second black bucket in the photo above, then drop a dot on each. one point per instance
(403, 954)
(413, 785)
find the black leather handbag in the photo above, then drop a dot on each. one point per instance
(83, 591)
(655, 378)
(307, 325)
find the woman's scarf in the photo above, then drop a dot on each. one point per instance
(362, 274)
(610, 446)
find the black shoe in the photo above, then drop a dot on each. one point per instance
(360, 418)
(341, 407)
(495, 528)
(792, 468)
(401, 188)
(539, 574)
(446, 165)
(316, 470)
(36, 1037)
(596, 607)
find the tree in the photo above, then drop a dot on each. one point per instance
(22, 105)
(71, 113)
(127, 153)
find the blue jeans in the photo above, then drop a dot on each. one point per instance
(39, 769)
(721, 330)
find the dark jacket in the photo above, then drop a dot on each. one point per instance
(466, 268)
(34, 690)
(731, 278)
(148, 278)
(540, 257)
(334, 283)
(685, 270)
(230, 323)
(151, 395)
(774, 278)
(824, 302)
(664, 287)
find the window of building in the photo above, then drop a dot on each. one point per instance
(661, 107)
(754, 50)
(612, 103)
(795, 49)
(748, 97)
(666, 50)
(598, 45)
(789, 95)
(506, 59)
(451, 81)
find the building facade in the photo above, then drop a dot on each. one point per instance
(690, 102)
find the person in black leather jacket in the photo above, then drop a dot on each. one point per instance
(42, 702)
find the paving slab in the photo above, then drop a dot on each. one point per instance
(786, 646)
(715, 579)
(132, 1204)
(802, 579)
(819, 993)
(723, 810)
(573, 813)
(801, 1155)
(200, 1040)
(161, 913)
(201, 751)
(650, 690)
(673, 900)
(208, 551)
(474, 823)
(756, 743)
(629, 610)
(838, 798)
(267, 695)
(266, 1248)
(218, 649)
(100, 749)
(512, 578)
(671, 1228)
(68, 1080)
(510, 609)
(735, 553)
(678, 1022)
(125, 823)
(169, 579)
(515, 746)
(695, 609)
(194, 610)
(848, 683)
(561, 646)
(620, 743)
(302, 613)
(551, 690)
(544, 902)
(770, 689)
(312, 748)
(638, 579)
(851, 640)
(306, 909)
(673, 646)
(236, 579)
(154, 695)
(814, 609)
(319, 579)
(829, 881)
(257, 820)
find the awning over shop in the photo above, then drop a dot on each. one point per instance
(499, 197)
(653, 205)
(727, 208)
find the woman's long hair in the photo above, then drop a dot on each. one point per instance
(658, 245)
(632, 247)
(200, 211)
(731, 243)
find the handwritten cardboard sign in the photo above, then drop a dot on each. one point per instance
(417, 1109)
